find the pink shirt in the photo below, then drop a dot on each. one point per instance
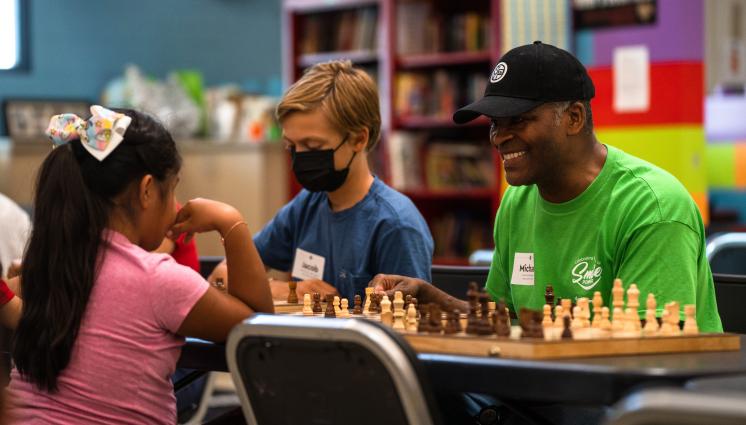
(127, 347)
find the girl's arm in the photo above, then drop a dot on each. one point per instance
(215, 314)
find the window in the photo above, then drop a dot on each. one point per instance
(11, 35)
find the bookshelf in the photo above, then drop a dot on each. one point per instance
(429, 58)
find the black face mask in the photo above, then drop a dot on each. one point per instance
(315, 169)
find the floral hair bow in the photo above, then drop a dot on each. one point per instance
(100, 134)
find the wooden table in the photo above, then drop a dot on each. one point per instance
(595, 380)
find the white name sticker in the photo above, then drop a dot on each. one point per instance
(523, 269)
(308, 265)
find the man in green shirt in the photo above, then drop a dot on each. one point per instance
(578, 213)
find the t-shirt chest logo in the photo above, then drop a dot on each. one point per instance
(586, 272)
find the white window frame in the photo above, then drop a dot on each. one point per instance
(13, 42)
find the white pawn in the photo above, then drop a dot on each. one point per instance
(598, 304)
(617, 323)
(558, 317)
(577, 318)
(547, 322)
(387, 317)
(411, 319)
(690, 323)
(605, 322)
(617, 295)
(307, 309)
(345, 309)
(337, 310)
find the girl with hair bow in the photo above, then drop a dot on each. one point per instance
(103, 318)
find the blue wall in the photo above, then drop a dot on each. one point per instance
(77, 46)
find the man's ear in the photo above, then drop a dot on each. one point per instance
(576, 114)
(360, 139)
(147, 191)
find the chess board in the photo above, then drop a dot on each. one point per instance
(539, 349)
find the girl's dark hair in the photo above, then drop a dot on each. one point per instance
(74, 195)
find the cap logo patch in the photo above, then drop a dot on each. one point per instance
(500, 71)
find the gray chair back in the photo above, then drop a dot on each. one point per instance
(455, 279)
(295, 369)
(726, 253)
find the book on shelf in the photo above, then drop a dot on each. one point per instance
(404, 152)
(419, 29)
(459, 233)
(340, 31)
(458, 165)
(436, 94)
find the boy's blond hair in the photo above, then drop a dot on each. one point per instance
(346, 95)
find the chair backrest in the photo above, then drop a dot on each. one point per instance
(295, 369)
(675, 406)
(727, 253)
(730, 292)
(455, 279)
(207, 263)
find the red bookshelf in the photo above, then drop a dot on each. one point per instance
(446, 50)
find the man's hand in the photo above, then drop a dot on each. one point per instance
(220, 271)
(390, 283)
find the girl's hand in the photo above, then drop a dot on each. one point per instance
(203, 215)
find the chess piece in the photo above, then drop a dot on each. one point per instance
(566, 331)
(407, 301)
(292, 294)
(558, 314)
(435, 325)
(673, 316)
(549, 296)
(411, 318)
(566, 306)
(605, 322)
(368, 292)
(357, 309)
(337, 309)
(387, 317)
(617, 322)
(651, 323)
(633, 298)
(424, 324)
(330, 310)
(491, 307)
(307, 309)
(547, 322)
(483, 325)
(585, 312)
(665, 328)
(617, 295)
(631, 321)
(473, 322)
(598, 304)
(399, 311)
(452, 325)
(344, 309)
(690, 322)
(316, 302)
(502, 323)
(577, 318)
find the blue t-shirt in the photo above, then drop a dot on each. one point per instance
(383, 233)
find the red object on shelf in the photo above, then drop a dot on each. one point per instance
(443, 59)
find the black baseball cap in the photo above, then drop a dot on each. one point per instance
(526, 77)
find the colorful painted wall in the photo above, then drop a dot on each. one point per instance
(670, 133)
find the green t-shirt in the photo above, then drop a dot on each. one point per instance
(635, 222)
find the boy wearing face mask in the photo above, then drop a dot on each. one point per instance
(346, 225)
